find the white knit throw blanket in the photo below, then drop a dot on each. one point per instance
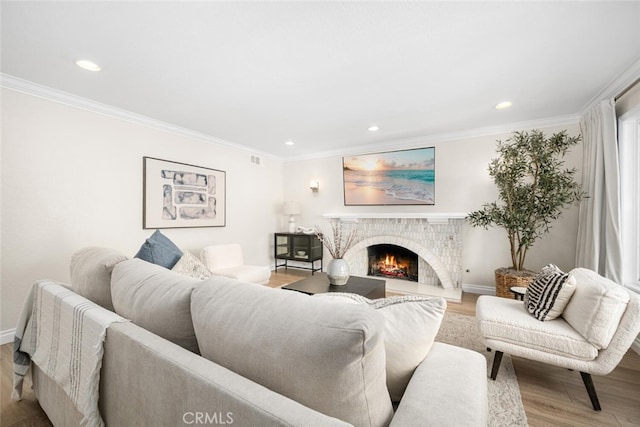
(69, 334)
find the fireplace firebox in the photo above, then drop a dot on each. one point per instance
(393, 262)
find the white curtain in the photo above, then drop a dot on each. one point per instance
(599, 245)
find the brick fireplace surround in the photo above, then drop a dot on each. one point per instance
(436, 239)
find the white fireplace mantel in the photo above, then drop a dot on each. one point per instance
(432, 217)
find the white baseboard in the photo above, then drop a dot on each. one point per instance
(7, 336)
(478, 289)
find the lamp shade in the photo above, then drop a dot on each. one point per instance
(291, 208)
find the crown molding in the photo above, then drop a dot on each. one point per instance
(20, 85)
(621, 82)
(421, 141)
(14, 83)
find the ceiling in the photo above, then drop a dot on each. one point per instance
(259, 74)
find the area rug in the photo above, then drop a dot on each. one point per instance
(505, 402)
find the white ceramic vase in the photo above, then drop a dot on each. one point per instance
(338, 271)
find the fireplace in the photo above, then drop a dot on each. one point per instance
(436, 238)
(393, 262)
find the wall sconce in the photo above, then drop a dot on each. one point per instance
(314, 185)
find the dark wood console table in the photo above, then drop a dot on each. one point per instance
(298, 247)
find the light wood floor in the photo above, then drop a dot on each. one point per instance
(551, 396)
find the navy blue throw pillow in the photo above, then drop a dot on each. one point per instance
(159, 250)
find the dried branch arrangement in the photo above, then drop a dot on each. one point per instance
(341, 240)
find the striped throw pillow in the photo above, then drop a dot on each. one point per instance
(548, 294)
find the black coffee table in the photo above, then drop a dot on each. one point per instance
(319, 284)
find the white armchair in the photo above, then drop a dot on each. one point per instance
(228, 260)
(596, 329)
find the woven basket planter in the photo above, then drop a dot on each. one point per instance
(506, 278)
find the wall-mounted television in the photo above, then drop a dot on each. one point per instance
(404, 177)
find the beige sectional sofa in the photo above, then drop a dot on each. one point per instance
(220, 351)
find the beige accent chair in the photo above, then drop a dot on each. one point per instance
(228, 260)
(595, 330)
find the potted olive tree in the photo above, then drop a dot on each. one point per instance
(534, 188)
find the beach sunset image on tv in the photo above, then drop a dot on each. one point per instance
(405, 177)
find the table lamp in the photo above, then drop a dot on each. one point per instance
(292, 209)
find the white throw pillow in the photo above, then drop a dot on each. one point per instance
(192, 267)
(411, 325)
(549, 293)
(596, 307)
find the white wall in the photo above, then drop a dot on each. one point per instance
(73, 178)
(462, 185)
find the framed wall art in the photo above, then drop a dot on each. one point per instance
(179, 195)
(404, 177)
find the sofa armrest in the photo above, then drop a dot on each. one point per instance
(449, 387)
(147, 380)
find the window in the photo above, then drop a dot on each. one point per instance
(629, 144)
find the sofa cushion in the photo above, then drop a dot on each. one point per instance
(549, 293)
(158, 249)
(509, 321)
(596, 307)
(331, 360)
(411, 325)
(191, 266)
(90, 270)
(448, 389)
(156, 299)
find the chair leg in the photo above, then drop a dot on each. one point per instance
(591, 389)
(497, 359)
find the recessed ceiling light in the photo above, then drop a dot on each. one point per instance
(502, 105)
(289, 143)
(374, 128)
(87, 65)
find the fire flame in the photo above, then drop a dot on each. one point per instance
(392, 265)
(389, 265)
(390, 261)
